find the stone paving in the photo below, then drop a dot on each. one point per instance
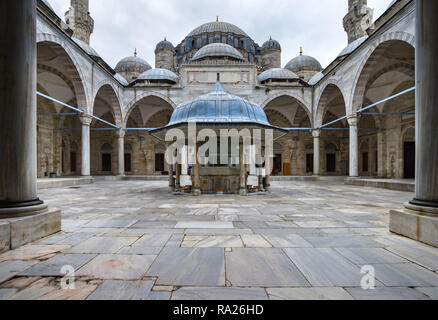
(305, 240)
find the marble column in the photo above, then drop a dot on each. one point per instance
(86, 122)
(171, 179)
(121, 151)
(268, 170)
(419, 219)
(316, 152)
(243, 188)
(18, 132)
(354, 148)
(178, 177)
(426, 188)
(196, 174)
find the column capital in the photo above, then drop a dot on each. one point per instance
(121, 133)
(85, 119)
(353, 120)
(316, 133)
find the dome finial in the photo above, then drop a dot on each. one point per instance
(217, 18)
(165, 39)
(135, 52)
(301, 51)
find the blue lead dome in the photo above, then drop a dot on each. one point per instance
(219, 106)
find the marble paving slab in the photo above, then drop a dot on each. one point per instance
(405, 275)
(10, 269)
(262, 268)
(117, 267)
(53, 266)
(387, 294)
(204, 225)
(325, 267)
(189, 267)
(123, 290)
(308, 294)
(219, 293)
(366, 256)
(341, 241)
(287, 241)
(102, 245)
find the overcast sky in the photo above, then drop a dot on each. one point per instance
(122, 26)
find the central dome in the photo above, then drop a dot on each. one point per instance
(217, 50)
(219, 106)
(218, 26)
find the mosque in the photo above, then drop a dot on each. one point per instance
(377, 62)
(334, 119)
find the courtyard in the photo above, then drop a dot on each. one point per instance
(305, 240)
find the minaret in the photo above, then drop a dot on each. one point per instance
(79, 20)
(358, 19)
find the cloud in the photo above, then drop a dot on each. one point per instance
(122, 26)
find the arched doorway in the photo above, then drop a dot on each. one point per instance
(148, 112)
(57, 126)
(389, 70)
(286, 111)
(105, 107)
(409, 154)
(335, 138)
(106, 158)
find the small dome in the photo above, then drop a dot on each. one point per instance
(352, 46)
(271, 44)
(277, 74)
(121, 79)
(165, 45)
(217, 26)
(159, 74)
(218, 50)
(219, 106)
(86, 47)
(316, 78)
(303, 63)
(132, 65)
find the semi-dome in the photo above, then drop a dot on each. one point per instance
(352, 46)
(303, 62)
(217, 50)
(277, 74)
(132, 65)
(218, 26)
(121, 79)
(219, 106)
(86, 47)
(159, 74)
(165, 45)
(271, 44)
(316, 78)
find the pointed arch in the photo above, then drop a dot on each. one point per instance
(71, 67)
(323, 101)
(131, 105)
(366, 68)
(109, 91)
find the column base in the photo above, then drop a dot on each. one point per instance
(416, 222)
(243, 192)
(38, 222)
(171, 189)
(196, 192)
